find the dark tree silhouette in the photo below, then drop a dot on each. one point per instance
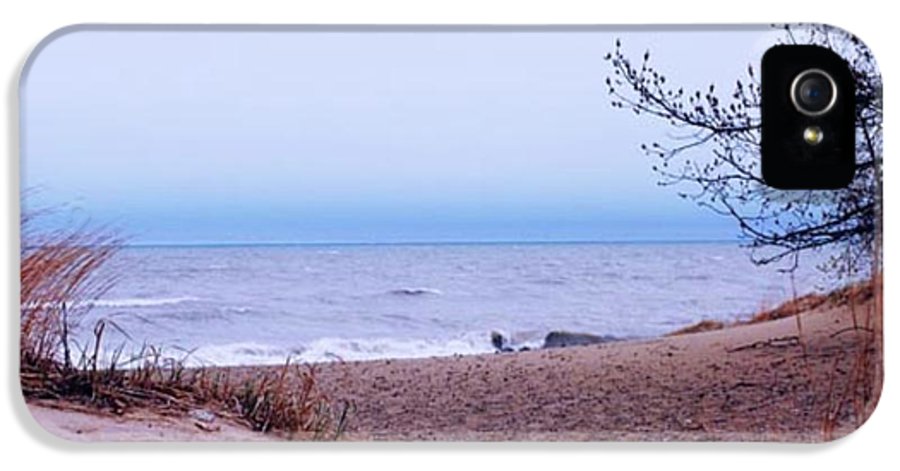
(714, 156)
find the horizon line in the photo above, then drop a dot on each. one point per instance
(226, 244)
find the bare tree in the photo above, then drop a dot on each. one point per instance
(714, 156)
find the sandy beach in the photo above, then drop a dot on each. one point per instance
(141, 426)
(785, 379)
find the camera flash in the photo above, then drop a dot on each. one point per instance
(813, 135)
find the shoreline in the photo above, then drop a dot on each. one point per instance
(779, 378)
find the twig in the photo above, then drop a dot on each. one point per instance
(780, 342)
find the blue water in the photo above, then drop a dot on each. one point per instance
(258, 304)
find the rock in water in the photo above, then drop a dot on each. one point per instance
(500, 342)
(497, 340)
(560, 338)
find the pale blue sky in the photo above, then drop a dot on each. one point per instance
(180, 137)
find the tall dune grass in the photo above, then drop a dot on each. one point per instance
(61, 273)
(856, 396)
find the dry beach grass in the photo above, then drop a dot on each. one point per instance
(60, 275)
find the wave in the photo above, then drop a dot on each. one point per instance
(140, 302)
(416, 291)
(693, 277)
(329, 349)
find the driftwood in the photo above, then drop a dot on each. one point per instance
(780, 342)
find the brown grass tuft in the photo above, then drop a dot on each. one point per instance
(289, 401)
(702, 326)
(854, 294)
(788, 309)
(60, 276)
(856, 395)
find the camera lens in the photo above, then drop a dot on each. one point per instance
(813, 92)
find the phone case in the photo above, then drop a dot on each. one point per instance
(437, 233)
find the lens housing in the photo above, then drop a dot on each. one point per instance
(807, 118)
(813, 92)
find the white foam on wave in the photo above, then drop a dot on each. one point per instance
(330, 349)
(141, 302)
(240, 353)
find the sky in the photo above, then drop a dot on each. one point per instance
(177, 137)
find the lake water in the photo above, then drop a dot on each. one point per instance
(233, 305)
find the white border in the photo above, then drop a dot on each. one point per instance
(25, 23)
